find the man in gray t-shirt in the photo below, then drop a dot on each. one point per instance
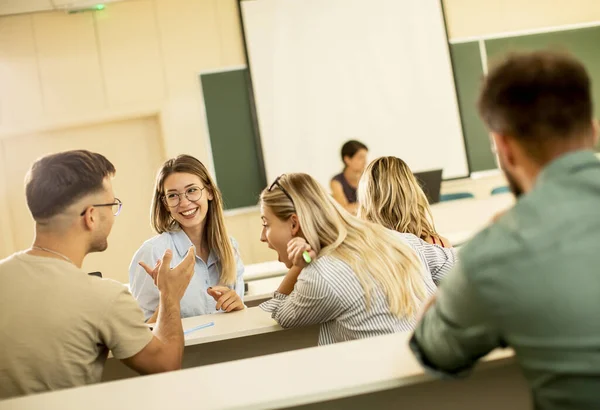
(57, 323)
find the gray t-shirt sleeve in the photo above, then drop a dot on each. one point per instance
(122, 329)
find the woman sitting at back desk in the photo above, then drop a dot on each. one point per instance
(343, 185)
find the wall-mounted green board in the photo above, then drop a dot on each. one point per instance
(468, 74)
(236, 150)
(583, 43)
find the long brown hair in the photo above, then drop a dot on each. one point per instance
(215, 230)
(389, 194)
(375, 254)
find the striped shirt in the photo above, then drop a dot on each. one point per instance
(329, 292)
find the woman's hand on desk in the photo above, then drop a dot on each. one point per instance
(227, 299)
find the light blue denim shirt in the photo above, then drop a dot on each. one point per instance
(195, 301)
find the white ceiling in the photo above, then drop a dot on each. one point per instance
(31, 6)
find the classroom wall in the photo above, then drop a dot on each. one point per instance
(127, 78)
(466, 18)
(124, 82)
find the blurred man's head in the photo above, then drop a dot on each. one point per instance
(537, 106)
(71, 192)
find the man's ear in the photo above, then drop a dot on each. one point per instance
(596, 131)
(294, 225)
(90, 218)
(503, 147)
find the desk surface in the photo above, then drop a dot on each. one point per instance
(247, 322)
(463, 218)
(262, 289)
(264, 270)
(319, 374)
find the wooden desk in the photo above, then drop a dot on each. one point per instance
(261, 290)
(379, 373)
(237, 335)
(461, 219)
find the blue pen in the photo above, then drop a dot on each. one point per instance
(204, 326)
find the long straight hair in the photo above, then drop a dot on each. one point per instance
(215, 231)
(389, 195)
(376, 255)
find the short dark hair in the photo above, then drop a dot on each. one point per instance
(56, 181)
(540, 98)
(350, 148)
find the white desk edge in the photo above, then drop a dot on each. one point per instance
(319, 374)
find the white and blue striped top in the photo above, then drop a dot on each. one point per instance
(329, 292)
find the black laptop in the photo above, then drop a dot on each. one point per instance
(431, 183)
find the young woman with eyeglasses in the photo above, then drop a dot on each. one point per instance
(364, 280)
(187, 209)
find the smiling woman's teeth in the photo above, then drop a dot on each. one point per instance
(190, 212)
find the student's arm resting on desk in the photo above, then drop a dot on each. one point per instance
(165, 350)
(454, 332)
(312, 301)
(229, 300)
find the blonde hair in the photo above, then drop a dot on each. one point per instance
(389, 194)
(215, 231)
(374, 253)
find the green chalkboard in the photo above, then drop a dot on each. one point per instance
(468, 74)
(236, 150)
(583, 43)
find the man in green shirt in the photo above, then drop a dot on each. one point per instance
(531, 281)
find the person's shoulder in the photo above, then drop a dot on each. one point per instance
(9, 261)
(337, 178)
(405, 237)
(97, 292)
(108, 288)
(497, 245)
(235, 244)
(328, 267)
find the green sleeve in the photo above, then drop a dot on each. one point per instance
(455, 332)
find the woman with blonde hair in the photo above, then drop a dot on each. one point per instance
(362, 279)
(389, 195)
(187, 209)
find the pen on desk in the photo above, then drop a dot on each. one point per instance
(193, 329)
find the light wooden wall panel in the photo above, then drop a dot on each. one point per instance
(130, 51)
(133, 184)
(466, 18)
(20, 89)
(230, 33)
(70, 67)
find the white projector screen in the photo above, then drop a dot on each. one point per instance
(326, 71)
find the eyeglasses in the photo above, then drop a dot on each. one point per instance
(117, 205)
(193, 194)
(277, 184)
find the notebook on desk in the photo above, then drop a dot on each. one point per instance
(431, 183)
